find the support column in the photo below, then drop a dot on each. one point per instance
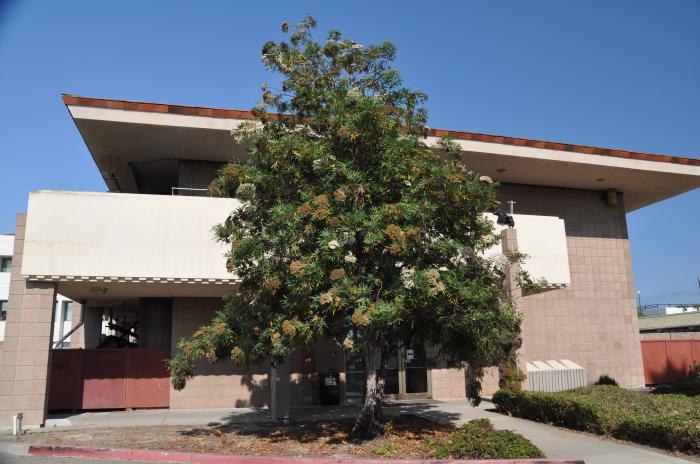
(77, 338)
(92, 327)
(509, 243)
(280, 391)
(25, 356)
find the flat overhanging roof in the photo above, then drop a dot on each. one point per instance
(123, 136)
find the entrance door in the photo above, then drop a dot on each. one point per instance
(410, 377)
(406, 375)
(415, 373)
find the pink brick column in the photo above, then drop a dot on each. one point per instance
(509, 243)
(25, 358)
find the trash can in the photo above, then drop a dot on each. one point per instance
(329, 389)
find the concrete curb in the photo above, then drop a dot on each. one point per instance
(201, 458)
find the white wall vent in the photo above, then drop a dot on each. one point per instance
(554, 375)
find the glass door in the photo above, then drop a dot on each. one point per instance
(406, 375)
(415, 372)
(392, 379)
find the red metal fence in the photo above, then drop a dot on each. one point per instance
(109, 379)
(666, 361)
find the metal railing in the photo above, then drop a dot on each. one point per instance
(671, 305)
(189, 192)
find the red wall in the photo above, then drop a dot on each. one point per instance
(109, 379)
(666, 361)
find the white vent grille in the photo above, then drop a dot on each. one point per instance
(554, 375)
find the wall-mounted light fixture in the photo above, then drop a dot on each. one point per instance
(504, 219)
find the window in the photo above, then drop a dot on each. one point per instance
(67, 311)
(3, 310)
(5, 264)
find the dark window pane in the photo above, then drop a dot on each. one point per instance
(416, 380)
(416, 370)
(354, 384)
(391, 383)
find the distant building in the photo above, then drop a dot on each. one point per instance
(679, 322)
(669, 309)
(63, 316)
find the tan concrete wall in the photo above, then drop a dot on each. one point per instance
(128, 236)
(215, 385)
(489, 384)
(223, 385)
(593, 321)
(447, 383)
(25, 356)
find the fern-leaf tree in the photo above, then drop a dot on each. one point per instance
(352, 228)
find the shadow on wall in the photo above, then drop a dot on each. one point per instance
(224, 385)
(259, 392)
(585, 212)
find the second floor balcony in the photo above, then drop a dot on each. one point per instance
(98, 240)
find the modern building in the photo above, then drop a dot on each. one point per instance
(63, 317)
(141, 256)
(668, 309)
(676, 322)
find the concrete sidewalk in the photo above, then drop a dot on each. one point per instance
(555, 442)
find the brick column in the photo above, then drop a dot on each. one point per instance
(26, 352)
(509, 243)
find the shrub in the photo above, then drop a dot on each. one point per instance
(511, 376)
(688, 385)
(550, 409)
(665, 421)
(606, 380)
(477, 439)
(383, 450)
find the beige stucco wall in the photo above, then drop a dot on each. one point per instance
(593, 321)
(127, 235)
(543, 240)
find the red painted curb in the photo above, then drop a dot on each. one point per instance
(201, 458)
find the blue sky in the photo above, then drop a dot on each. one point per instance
(620, 74)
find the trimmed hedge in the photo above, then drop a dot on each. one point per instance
(665, 421)
(477, 439)
(689, 385)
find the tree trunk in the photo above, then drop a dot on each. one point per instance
(370, 421)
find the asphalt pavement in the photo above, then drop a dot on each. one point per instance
(13, 459)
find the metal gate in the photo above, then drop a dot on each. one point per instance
(109, 379)
(666, 361)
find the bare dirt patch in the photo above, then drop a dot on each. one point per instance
(407, 437)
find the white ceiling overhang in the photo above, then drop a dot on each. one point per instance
(118, 138)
